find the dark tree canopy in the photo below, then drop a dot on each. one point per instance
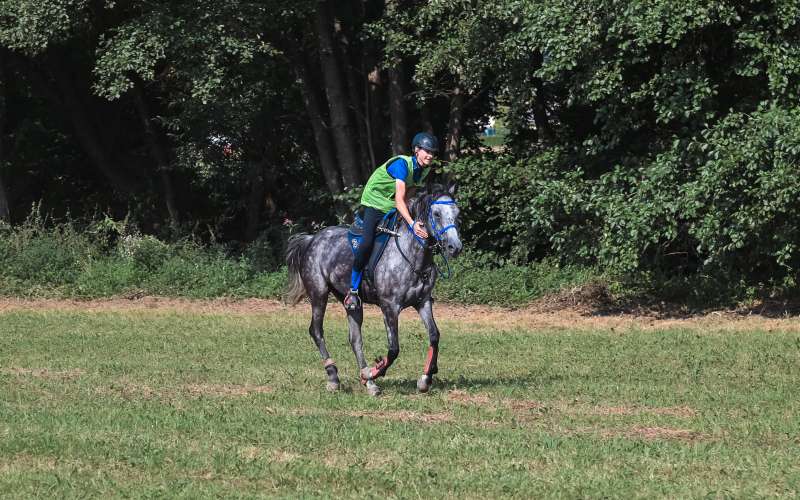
(641, 135)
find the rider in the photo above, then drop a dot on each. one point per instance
(386, 189)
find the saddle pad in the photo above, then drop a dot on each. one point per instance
(355, 235)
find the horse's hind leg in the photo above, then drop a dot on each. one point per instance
(425, 311)
(390, 314)
(354, 321)
(318, 306)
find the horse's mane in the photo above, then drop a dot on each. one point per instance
(421, 202)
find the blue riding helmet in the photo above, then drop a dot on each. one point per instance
(425, 141)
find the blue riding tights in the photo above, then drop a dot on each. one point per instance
(371, 219)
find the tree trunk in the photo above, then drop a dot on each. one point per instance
(352, 61)
(325, 151)
(362, 122)
(5, 212)
(426, 115)
(159, 154)
(543, 129)
(4, 205)
(397, 109)
(255, 199)
(375, 89)
(455, 125)
(85, 131)
(373, 94)
(338, 104)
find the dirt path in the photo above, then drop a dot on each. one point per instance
(528, 318)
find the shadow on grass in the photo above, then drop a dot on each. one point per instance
(406, 387)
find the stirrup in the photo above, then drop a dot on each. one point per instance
(352, 302)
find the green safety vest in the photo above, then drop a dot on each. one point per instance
(380, 189)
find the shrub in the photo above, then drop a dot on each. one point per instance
(485, 278)
(724, 204)
(35, 254)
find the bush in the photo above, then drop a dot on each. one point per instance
(725, 205)
(36, 255)
(145, 253)
(485, 278)
(105, 277)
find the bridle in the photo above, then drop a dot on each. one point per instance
(437, 234)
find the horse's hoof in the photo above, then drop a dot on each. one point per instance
(373, 389)
(424, 383)
(332, 386)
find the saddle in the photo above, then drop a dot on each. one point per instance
(385, 229)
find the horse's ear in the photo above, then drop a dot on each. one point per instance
(452, 189)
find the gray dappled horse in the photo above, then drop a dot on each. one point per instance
(320, 264)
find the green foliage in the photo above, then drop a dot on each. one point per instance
(206, 43)
(485, 278)
(745, 203)
(47, 257)
(32, 25)
(59, 260)
(63, 260)
(135, 50)
(645, 138)
(673, 145)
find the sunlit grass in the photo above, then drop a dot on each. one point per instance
(145, 404)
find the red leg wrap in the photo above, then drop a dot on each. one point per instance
(380, 368)
(430, 362)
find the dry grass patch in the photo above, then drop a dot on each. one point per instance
(250, 453)
(381, 460)
(337, 459)
(283, 456)
(44, 373)
(27, 463)
(131, 390)
(226, 390)
(402, 416)
(655, 434)
(573, 309)
(464, 397)
(672, 411)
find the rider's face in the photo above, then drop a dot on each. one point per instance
(424, 157)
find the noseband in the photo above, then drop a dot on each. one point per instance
(438, 234)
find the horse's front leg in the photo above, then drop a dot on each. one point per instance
(425, 310)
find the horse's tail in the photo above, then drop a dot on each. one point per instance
(295, 251)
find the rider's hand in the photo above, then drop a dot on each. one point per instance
(419, 230)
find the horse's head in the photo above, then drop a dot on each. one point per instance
(437, 208)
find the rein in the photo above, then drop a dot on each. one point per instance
(437, 235)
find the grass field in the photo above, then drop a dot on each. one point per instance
(181, 404)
